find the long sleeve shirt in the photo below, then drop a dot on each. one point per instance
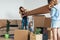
(55, 12)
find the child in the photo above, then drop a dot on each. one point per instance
(31, 23)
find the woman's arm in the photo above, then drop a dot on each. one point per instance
(53, 11)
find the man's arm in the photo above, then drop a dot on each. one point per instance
(41, 10)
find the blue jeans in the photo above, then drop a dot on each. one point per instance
(30, 29)
(24, 23)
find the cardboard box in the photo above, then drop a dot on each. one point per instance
(39, 37)
(21, 35)
(40, 10)
(47, 22)
(39, 20)
(32, 36)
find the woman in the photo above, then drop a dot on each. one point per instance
(22, 11)
(55, 19)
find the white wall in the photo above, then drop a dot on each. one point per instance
(9, 9)
(33, 4)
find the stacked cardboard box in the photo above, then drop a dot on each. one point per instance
(32, 36)
(21, 35)
(47, 22)
(42, 21)
(24, 35)
(39, 20)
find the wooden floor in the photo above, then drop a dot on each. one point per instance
(5, 39)
(10, 39)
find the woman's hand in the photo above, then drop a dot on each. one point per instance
(23, 15)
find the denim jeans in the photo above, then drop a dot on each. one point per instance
(24, 24)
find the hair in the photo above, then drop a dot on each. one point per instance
(20, 8)
(54, 2)
(49, 1)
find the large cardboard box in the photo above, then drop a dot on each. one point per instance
(39, 20)
(21, 35)
(47, 22)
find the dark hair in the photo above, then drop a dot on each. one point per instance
(49, 1)
(20, 8)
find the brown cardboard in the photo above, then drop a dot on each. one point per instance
(40, 10)
(21, 35)
(39, 20)
(39, 37)
(3, 23)
(42, 21)
(32, 36)
(47, 22)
